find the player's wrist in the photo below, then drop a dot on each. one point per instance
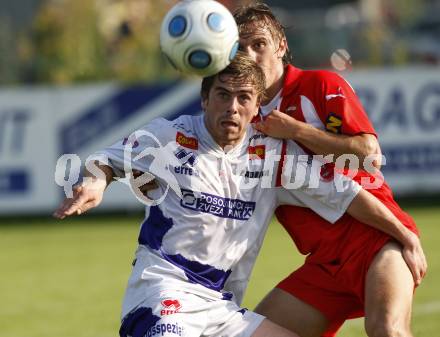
(94, 182)
(410, 239)
(102, 175)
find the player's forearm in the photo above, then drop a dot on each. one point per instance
(99, 173)
(370, 211)
(325, 143)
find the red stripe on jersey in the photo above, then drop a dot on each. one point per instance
(281, 164)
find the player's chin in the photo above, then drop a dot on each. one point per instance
(229, 138)
(230, 132)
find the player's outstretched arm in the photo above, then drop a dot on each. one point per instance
(87, 195)
(147, 187)
(369, 210)
(280, 125)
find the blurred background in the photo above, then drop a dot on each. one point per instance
(66, 41)
(76, 75)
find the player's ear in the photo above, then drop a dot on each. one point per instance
(257, 108)
(204, 103)
(282, 48)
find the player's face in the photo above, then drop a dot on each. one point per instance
(257, 41)
(230, 106)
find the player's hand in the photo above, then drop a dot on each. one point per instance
(147, 187)
(85, 196)
(415, 259)
(278, 125)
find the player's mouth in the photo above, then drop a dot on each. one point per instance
(229, 124)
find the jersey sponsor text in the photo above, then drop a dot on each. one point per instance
(218, 206)
(188, 142)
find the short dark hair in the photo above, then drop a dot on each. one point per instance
(260, 13)
(242, 68)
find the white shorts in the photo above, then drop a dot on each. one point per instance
(171, 313)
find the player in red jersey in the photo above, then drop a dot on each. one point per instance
(351, 270)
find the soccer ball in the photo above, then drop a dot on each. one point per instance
(199, 37)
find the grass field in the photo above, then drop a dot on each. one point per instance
(66, 279)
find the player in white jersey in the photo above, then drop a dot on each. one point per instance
(215, 208)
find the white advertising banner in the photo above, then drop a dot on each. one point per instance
(28, 151)
(38, 125)
(404, 106)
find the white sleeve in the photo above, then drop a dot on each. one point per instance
(138, 150)
(303, 185)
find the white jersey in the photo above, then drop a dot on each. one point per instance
(205, 234)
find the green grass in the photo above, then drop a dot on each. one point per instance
(67, 278)
(426, 309)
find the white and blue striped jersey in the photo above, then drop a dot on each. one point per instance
(215, 206)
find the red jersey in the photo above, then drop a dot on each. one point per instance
(326, 101)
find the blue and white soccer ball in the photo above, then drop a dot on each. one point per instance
(199, 37)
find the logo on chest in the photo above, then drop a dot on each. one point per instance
(188, 160)
(188, 142)
(257, 152)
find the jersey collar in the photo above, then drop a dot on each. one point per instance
(273, 104)
(291, 75)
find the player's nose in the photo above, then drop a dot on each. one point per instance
(249, 51)
(232, 105)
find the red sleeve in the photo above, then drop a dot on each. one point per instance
(341, 110)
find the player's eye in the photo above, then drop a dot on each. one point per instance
(222, 95)
(259, 45)
(244, 99)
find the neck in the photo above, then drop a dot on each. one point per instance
(276, 85)
(229, 145)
